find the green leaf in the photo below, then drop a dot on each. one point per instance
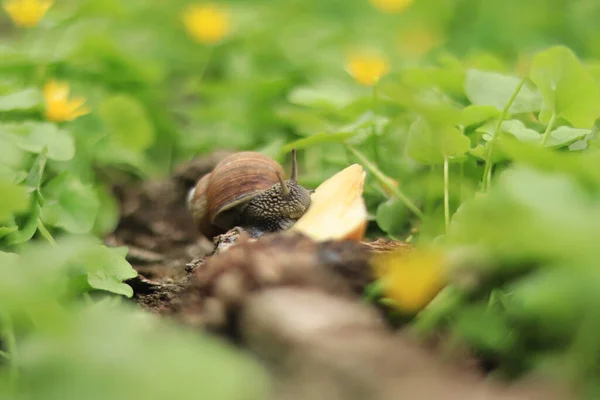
(485, 328)
(107, 269)
(127, 121)
(31, 222)
(435, 106)
(34, 136)
(473, 114)
(493, 89)
(327, 95)
(28, 228)
(113, 154)
(10, 154)
(70, 204)
(36, 173)
(7, 230)
(565, 135)
(392, 216)
(510, 128)
(10, 57)
(429, 143)
(111, 351)
(24, 100)
(514, 127)
(530, 216)
(108, 213)
(273, 148)
(550, 302)
(450, 78)
(319, 138)
(574, 164)
(568, 89)
(375, 124)
(305, 122)
(13, 199)
(481, 151)
(39, 275)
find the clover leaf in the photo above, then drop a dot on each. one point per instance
(494, 89)
(430, 143)
(32, 137)
(569, 90)
(70, 204)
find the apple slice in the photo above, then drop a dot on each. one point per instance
(337, 209)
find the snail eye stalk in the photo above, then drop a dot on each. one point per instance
(285, 191)
(294, 176)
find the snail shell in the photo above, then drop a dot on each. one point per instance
(217, 198)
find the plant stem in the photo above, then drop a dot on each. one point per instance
(446, 196)
(45, 233)
(548, 129)
(385, 181)
(487, 171)
(8, 333)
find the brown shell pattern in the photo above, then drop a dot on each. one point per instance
(199, 206)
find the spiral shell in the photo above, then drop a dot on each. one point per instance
(234, 181)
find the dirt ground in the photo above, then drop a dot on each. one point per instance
(294, 303)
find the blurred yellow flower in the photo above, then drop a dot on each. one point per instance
(367, 69)
(411, 280)
(27, 13)
(58, 106)
(391, 6)
(206, 23)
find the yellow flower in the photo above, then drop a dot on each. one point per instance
(411, 280)
(367, 69)
(58, 106)
(206, 23)
(27, 13)
(391, 6)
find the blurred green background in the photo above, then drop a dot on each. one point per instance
(280, 78)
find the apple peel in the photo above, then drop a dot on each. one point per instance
(337, 210)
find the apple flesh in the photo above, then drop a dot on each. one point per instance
(337, 210)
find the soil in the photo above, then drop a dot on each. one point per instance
(294, 303)
(162, 239)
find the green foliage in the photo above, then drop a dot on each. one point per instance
(485, 88)
(13, 199)
(73, 205)
(391, 216)
(568, 89)
(32, 137)
(23, 100)
(430, 144)
(107, 269)
(127, 122)
(520, 156)
(154, 361)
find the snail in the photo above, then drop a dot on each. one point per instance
(248, 190)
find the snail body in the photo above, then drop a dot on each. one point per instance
(248, 190)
